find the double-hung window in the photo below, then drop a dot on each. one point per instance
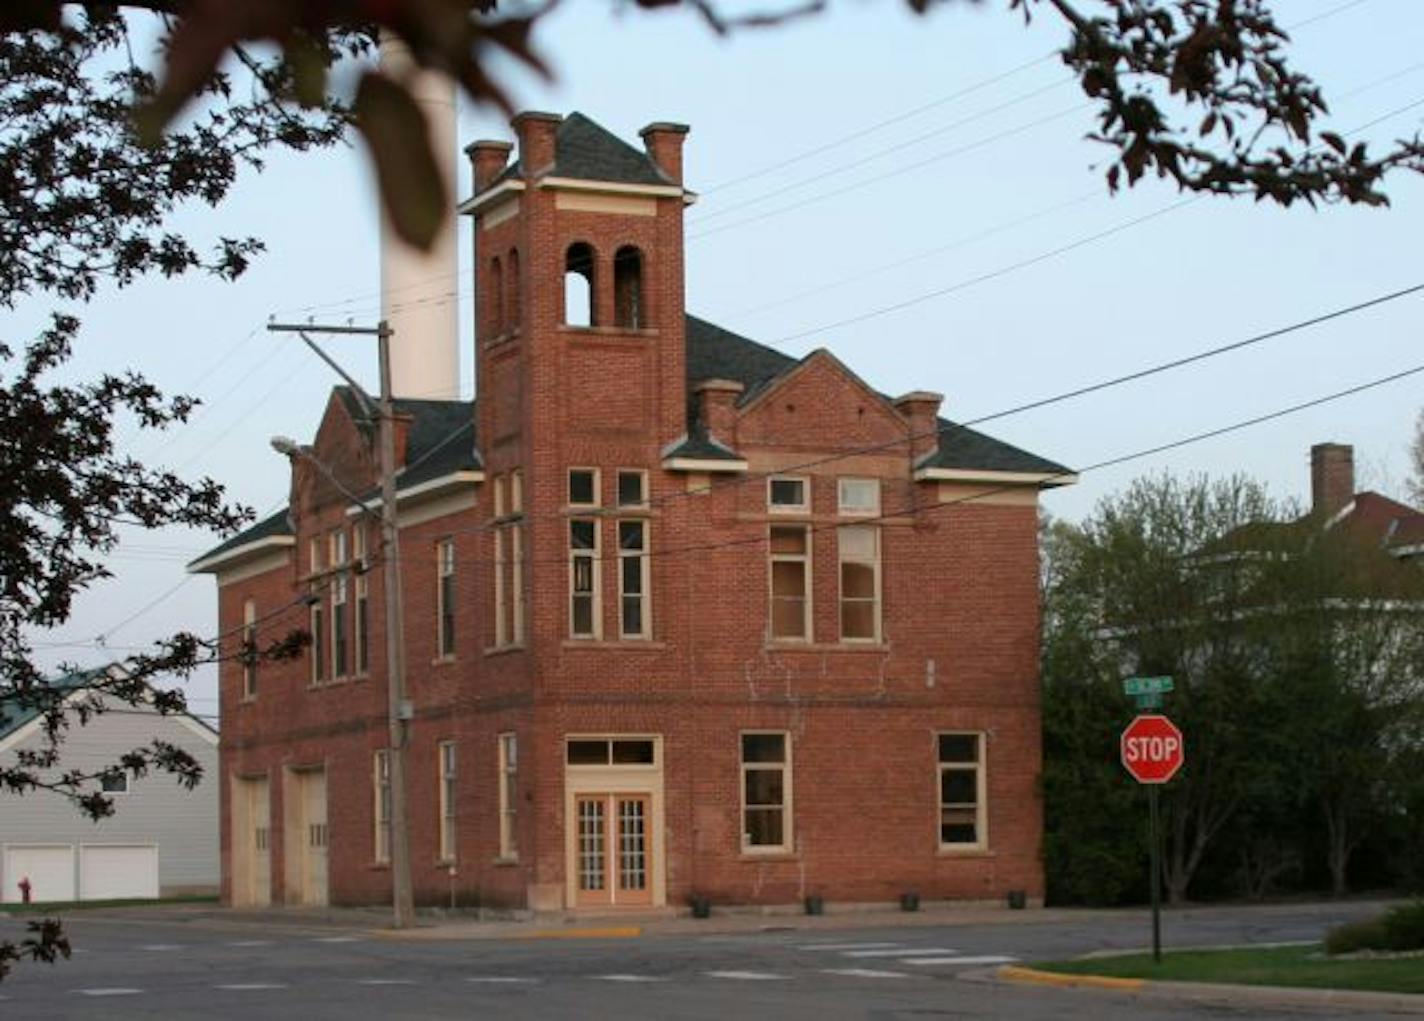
(860, 582)
(766, 792)
(584, 575)
(962, 815)
(508, 795)
(360, 618)
(340, 644)
(790, 583)
(508, 559)
(633, 580)
(445, 598)
(446, 752)
(248, 653)
(381, 782)
(317, 614)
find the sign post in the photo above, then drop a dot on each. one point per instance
(1153, 751)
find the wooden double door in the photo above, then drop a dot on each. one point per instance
(613, 849)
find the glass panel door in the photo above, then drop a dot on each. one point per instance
(592, 851)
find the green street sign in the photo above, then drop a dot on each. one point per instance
(1146, 685)
(1150, 700)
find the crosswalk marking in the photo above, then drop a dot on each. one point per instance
(251, 943)
(245, 987)
(864, 973)
(161, 947)
(337, 939)
(981, 959)
(844, 946)
(109, 991)
(501, 979)
(748, 976)
(385, 981)
(899, 952)
(630, 978)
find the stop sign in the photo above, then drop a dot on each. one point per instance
(1152, 749)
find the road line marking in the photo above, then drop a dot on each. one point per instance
(603, 932)
(162, 947)
(385, 981)
(900, 952)
(502, 980)
(982, 959)
(864, 973)
(630, 978)
(337, 939)
(844, 946)
(243, 987)
(110, 991)
(747, 976)
(251, 943)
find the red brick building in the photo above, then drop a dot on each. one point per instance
(683, 615)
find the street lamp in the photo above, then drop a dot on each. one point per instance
(399, 709)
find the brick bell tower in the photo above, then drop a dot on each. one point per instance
(580, 328)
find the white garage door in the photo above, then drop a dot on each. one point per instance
(111, 871)
(50, 871)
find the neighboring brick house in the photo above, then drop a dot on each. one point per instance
(684, 615)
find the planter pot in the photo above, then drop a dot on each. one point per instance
(910, 901)
(814, 905)
(1017, 899)
(701, 907)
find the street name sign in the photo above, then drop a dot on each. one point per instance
(1146, 685)
(1152, 749)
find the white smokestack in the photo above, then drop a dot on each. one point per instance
(418, 289)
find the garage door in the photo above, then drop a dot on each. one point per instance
(50, 870)
(111, 871)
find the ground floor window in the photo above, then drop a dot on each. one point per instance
(381, 777)
(766, 792)
(508, 795)
(961, 791)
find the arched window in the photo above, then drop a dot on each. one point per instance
(496, 295)
(513, 303)
(578, 285)
(628, 288)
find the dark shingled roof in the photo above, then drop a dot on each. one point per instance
(587, 151)
(274, 524)
(715, 353)
(700, 446)
(13, 716)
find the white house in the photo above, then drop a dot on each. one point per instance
(162, 839)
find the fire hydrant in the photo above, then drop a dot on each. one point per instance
(25, 888)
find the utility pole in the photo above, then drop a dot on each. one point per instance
(399, 709)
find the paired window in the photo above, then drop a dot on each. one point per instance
(609, 751)
(508, 559)
(446, 755)
(961, 791)
(445, 598)
(248, 652)
(381, 782)
(503, 294)
(790, 547)
(766, 792)
(581, 291)
(585, 556)
(508, 795)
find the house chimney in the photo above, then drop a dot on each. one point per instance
(417, 286)
(717, 406)
(663, 140)
(487, 161)
(921, 411)
(1332, 477)
(536, 131)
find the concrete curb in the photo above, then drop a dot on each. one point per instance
(1218, 994)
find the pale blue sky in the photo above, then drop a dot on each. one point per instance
(1192, 278)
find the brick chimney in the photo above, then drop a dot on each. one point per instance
(1332, 477)
(716, 406)
(921, 411)
(536, 140)
(487, 161)
(663, 140)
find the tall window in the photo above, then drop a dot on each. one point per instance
(508, 559)
(790, 583)
(961, 791)
(381, 777)
(340, 642)
(628, 288)
(508, 795)
(579, 301)
(584, 615)
(496, 296)
(513, 304)
(633, 580)
(360, 618)
(860, 582)
(766, 792)
(248, 654)
(318, 614)
(446, 751)
(445, 597)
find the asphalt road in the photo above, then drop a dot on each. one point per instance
(154, 965)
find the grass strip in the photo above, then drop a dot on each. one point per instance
(56, 907)
(1301, 966)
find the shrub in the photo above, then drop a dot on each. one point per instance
(1399, 928)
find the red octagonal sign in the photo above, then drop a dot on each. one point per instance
(1152, 749)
